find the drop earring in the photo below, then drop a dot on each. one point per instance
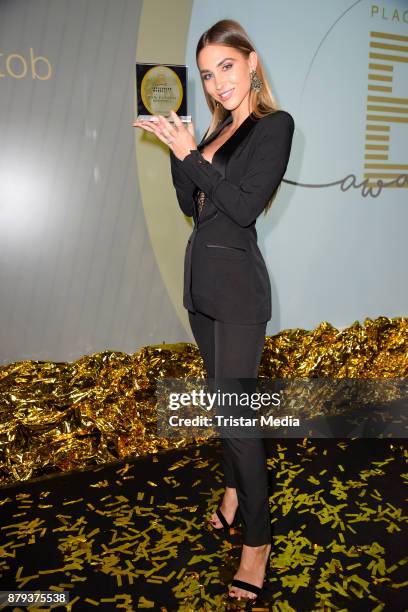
(256, 83)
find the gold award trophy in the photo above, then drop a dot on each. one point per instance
(161, 88)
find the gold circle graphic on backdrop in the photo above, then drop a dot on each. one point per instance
(161, 90)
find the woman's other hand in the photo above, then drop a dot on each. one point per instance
(179, 138)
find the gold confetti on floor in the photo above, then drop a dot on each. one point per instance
(138, 547)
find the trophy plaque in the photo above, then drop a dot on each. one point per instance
(161, 88)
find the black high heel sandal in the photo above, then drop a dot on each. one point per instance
(225, 525)
(252, 588)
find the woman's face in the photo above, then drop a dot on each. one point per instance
(225, 70)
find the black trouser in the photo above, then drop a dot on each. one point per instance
(232, 350)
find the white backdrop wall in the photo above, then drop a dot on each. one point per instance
(77, 272)
(333, 255)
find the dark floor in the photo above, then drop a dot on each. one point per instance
(132, 535)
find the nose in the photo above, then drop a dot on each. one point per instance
(219, 86)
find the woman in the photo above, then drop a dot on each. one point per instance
(225, 183)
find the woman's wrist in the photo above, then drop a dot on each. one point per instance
(190, 152)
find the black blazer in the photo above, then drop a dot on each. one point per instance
(225, 275)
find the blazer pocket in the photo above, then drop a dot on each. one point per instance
(223, 251)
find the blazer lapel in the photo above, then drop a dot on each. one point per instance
(222, 156)
(224, 153)
(226, 150)
(209, 209)
(205, 141)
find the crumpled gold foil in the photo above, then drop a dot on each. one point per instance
(61, 416)
(377, 349)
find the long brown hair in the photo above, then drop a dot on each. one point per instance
(230, 33)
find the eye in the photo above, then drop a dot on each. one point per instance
(208, 74)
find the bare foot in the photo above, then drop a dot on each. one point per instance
(251, 569)
(228, 508)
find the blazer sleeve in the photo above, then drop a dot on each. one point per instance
(245, 201)
(183, 185)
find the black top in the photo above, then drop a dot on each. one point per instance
(225, 275)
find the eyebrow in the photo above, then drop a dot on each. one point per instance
(219, 63)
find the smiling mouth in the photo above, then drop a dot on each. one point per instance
(226, 94)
